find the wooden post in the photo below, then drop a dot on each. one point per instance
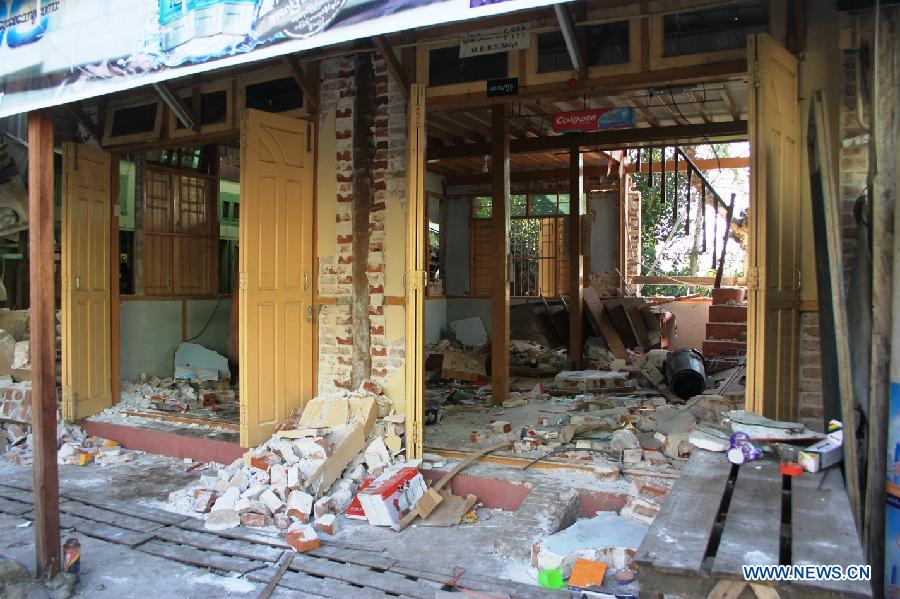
(500, 228)
(43, 342)
(576, 259)
(114, 283)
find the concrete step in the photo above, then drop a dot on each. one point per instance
(712, 347)
(546, 510)
(729, 295)
(721, 313)
(726, 331)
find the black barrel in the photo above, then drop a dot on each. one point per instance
(685, 373)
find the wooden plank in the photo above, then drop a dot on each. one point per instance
(637, 322)
(753, 523)
(43, 340)
(197, 557)
(478, 582)
(115, 321)
(104, 532)
(389, 582)
(213, 542)
(615, 308)
(500, 331)
(823, 532)
(576, 259)
(17, 494)
(14, 508)
(600, 319)
(128, 509)
(355, 556)
(322, 587)
(240, 533)
(99, 515)
(678, 539)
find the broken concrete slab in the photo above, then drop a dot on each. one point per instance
(607, 537)
(196, 362)
(470, 331)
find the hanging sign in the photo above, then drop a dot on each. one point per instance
(496, 40)
(503, 87)
(54, 52)
(592, 120)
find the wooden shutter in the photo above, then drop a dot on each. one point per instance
(482, 257)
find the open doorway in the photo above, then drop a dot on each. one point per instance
(653, 221)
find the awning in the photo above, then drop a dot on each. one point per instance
(61, 51)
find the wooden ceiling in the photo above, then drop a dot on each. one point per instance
(531, 118)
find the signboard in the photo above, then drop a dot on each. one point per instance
(503, 87)
(592, 120)
(60, 51)
(494, 41)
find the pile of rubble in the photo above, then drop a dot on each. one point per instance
(179, 395)
(527, 354)
(308, 471)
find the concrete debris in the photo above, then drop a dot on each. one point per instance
(309, 471)
(470, 331)
(194, 362)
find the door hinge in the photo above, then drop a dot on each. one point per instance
(418, 279)
(306, 279)
(798, 279)
(756, 278)
(242, 281)
(754, 74)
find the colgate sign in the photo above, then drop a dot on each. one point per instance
(592, 120)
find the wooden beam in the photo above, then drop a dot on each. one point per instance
(701, 110)
(115, 306)
(611, 85)
(619, 138)
(576, 259)
(177, 105)
(74, 108)
(306, 85)
(645, 112)
(392, 63)
(730, 105)
(500, 226)
(704, 164)
(43, 342)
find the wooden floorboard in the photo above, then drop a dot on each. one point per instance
(203, 559)
(389, 582)
(354, 556)
(14, 508)
(104, 532)
(100, 515)
(481, 583)
(213, 542)
(16, 494)
(317, 586)
(126, 508)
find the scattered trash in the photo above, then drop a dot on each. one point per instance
(742, 449)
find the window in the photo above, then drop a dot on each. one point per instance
(277, 95)
(538, 237)
(608, 44)
(445, 67)
(195, 158)
(180, 233)
(134, 119)
(213, 108)
(713, 30)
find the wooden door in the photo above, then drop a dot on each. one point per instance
(416, 274)
(275, 280)
(86, 211)
(774, 260)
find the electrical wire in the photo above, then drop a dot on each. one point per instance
(562, 450)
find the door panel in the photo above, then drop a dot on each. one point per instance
(275, 271)
(86, 212)
(774, 260)
(416, 274)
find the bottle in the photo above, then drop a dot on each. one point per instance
(72, 557)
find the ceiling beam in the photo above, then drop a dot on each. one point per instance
(701, 110)
(704, 164)
(612, 85)
(306, 85)
(74, 108)
(645, 112)
(392, 63)
(731, 105)
(611, 139)
(184, 112)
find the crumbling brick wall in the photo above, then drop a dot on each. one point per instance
(335, 361)
(809, 377)
(632, 210)
(339, 323)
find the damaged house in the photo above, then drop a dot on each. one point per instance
(506, 299)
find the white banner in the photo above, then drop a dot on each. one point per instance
(496, 40)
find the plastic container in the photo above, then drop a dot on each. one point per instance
(551, 579)
(685, 373)
(790, 460)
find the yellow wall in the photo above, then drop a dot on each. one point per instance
(326, 188)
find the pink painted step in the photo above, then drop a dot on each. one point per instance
(726, 331)
(719, 313)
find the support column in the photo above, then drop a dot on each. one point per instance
(576, 260)
(43, 342)
(500, 229)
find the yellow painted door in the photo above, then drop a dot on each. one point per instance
(774, 260)
(86, 211)
(276, 234)
(416, 274)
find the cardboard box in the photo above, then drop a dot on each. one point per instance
(393, 494)
(824, 453)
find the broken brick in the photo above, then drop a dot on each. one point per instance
(282, 521)
(252, 519)
(326, 524)
(303, 539)
(204, 500)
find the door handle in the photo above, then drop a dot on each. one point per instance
(77, 283)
